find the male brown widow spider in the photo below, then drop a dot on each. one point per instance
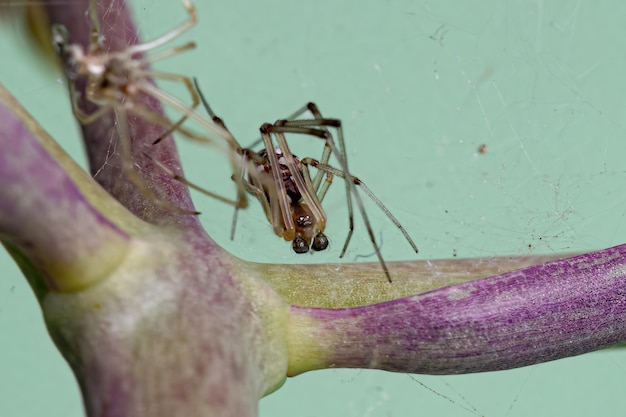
(282, 182)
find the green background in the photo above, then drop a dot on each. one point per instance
(419, 87)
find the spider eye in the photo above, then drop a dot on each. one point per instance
(300, 245)
(320, 242)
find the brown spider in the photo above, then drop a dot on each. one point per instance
(282, 182)
(114, 81)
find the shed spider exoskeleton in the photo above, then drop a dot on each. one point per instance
(282, 182)
(115, 80)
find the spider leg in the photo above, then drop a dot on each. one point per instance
(239, 169)
(240, 181)
(292, 116)
(282, 220)
(174, 33)
(182, 108)
(314, 110)
(321, 192)
(186, 81)
(169, 52)
(158, 119)
(330, 170)
(255, 186)
(188, 183)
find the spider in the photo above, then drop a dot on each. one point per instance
(115, 80)
(282, 183)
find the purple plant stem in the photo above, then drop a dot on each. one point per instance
(537, 314)
(42, 212)
(101, 136)
(178, 337)
(171, 330)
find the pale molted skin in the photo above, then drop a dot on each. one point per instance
(156, 320)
